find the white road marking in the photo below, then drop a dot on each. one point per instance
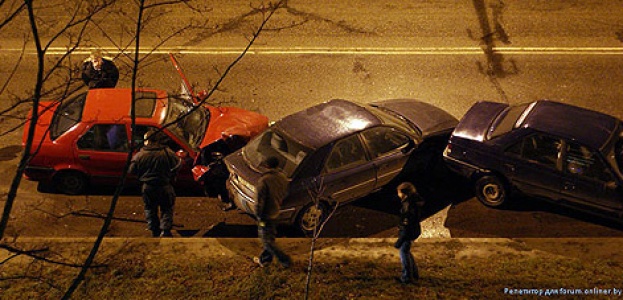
(350, 50)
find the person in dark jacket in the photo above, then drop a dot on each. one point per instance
(214, 180)
(271, 190)
(99, 72)
(156, 167)
(409, 230)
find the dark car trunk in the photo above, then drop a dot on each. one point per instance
(478, 120)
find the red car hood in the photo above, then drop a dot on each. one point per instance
(233, 121)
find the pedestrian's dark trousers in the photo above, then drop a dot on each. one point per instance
(267, 234)
(158, 197)
(409, 268)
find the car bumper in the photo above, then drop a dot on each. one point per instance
(38, 173)
(460, 167)
(247, 204)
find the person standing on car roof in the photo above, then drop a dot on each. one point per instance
(271, 190)
(156, 167)
(99, 72)
(409, 230)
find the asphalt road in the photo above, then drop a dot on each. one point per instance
(446, 53)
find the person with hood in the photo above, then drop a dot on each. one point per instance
(156, 167)
(271, 190)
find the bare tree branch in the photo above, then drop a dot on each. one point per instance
(35, 254)
(113, 203)
(37, 94)
(14, 14)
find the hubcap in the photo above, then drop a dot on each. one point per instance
(311, 217)
(491, 192)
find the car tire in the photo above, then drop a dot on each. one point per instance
(491, 191)
(71, 183)
(311, 216)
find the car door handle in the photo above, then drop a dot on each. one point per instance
(84, 157)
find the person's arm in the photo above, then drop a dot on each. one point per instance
(85, 73)
(114, 73)
(402, 226)
(133, 169)
(175, 161)
(262, 195)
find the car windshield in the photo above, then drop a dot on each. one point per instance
(68, 114)
(190, 128)
(270, 143)
(509, 119)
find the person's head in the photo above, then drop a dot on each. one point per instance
(152, 136)
(271, 162)
(96, 58)
(405, 190)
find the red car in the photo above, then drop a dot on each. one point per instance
(85, 139)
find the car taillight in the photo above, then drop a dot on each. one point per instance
(448, 150)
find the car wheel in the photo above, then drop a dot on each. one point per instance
(72, 183)
(311, 216)
(491, 191)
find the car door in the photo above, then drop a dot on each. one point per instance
(102, 151)
(533, 164)
(348, 173)
(386, 145)
(588, 180)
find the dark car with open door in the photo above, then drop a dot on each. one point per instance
(339, 151)
(565, 154)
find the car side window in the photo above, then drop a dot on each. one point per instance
(346, 152)
(538, 148)
(105, 137)
(140, 133)
(583, 162)
(382, 140)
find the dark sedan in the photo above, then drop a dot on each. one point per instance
(343, 149)
(562, 153)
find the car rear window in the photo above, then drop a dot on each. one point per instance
(270, 143)
(507, 121)
(68, 114)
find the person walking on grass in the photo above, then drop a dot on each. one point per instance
(271, 190)
(409, 230)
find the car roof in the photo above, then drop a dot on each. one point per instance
(585, 126)
(112, 105)
(321, 124)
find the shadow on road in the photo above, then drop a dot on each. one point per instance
(128, 190)
(527, 218)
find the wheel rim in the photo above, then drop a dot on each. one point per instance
(491, 192)
(71, 184)
(311, 218)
